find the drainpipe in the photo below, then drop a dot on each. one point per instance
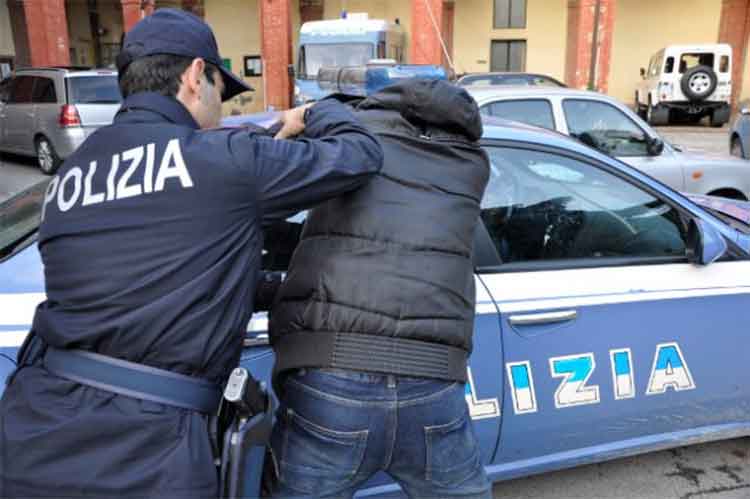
(595, 46)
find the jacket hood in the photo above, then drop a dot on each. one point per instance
(430, 103)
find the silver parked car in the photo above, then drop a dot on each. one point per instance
(49, 112)
(739, 136)
(610, 126)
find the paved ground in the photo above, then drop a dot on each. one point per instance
(710, 471)
(17, 173)
(718, 470)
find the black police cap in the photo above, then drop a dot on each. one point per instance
(177, 32)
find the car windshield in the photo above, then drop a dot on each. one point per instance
(100, 89)
(314, 57)
(20, 216)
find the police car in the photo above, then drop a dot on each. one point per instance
(611, 314)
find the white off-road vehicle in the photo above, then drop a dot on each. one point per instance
(685, 83)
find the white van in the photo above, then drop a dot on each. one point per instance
(686, 83)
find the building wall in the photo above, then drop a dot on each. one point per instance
(236, 24)
(745, 90)
(110, 18)
(6, 34)
(79, 31)
(545, 35)
(642, 27)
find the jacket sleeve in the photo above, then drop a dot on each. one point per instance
(336, 155)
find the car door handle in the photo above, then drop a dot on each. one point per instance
(542, 318)
(257, 340)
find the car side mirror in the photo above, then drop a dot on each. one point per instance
(654, 146)
(745, 110)
(290, 70)
(705, 244)
(643, 72)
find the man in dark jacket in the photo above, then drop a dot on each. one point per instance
(373, 325)
(151, 241)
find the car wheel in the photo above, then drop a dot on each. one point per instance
(46, 156)
(698, 83)
(736, 149)
(657, 115)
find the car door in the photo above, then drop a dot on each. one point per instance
(19, 116)
(485, 373)
(46, 108)
(613, 343)
(615, 132)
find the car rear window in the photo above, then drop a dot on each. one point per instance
(691, 60)
(94, 90)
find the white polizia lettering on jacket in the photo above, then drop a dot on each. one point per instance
(75, 187)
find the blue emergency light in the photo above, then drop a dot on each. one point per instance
(366, 80)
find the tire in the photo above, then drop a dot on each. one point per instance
(46, 156)
(736, 148)
(720, 116)
(657, 115)
(698, 83)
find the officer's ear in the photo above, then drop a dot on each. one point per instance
(191, 78)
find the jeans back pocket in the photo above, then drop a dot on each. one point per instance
(452, 452)
(317, 459)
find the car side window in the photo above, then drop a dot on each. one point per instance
(22, 90)
(5, 87)
(44, 91)
(604, 127)
(537, 112)
(541, 206)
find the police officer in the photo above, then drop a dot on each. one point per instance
(151, 240)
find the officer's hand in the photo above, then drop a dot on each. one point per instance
(293, 122)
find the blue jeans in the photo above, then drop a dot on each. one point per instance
(335, 429)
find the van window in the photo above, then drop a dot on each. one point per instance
(22, 90)
(5, 86)
(669, 65)
(690, 60)
(44, 91)
(94, 90)
(724, 64)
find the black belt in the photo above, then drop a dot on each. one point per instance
(134, 380)
(372, 353)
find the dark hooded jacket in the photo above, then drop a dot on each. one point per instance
(382, 278)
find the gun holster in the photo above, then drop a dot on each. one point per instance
(240, 433)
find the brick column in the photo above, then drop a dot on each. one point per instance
(40, 32)
(582, 16)
(276, 51)
(425, 39)
(734, 28)
(131, 13)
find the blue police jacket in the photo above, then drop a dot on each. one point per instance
(152, 230)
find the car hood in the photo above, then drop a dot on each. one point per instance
(23, 272)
